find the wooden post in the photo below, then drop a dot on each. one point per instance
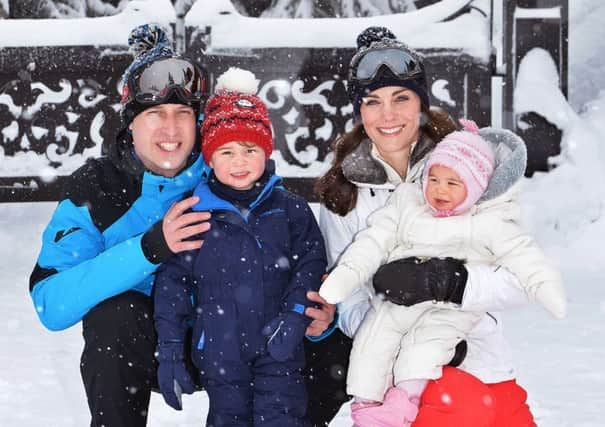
(529, 24)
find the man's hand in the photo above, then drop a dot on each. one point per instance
(322, 317)
(178, 226)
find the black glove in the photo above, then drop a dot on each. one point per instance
(460, 354)
(410, 281)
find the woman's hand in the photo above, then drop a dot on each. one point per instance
(322, 316)
(410, 281)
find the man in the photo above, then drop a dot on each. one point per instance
(120, 217)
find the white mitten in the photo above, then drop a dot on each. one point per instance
(552, 297)
(341, 283)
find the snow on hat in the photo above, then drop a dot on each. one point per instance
(235, 113)
(148, 42)
(381, 37)
(470, 156)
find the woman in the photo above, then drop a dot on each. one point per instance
(388, 90)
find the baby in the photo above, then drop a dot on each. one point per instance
(448, 217)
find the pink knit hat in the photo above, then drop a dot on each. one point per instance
(470, 156)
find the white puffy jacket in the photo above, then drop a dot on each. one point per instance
(488, 233)
(489, 288)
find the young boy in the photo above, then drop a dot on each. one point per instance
(462, 215)
(245, 289)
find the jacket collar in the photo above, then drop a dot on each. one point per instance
(177, 185)
(211, 202)
(365, 168)
(511, 161)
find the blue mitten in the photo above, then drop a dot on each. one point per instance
(285, 332)
(173, 377)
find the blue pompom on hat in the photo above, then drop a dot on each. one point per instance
(147, 42)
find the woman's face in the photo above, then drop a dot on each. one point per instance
(391, 118)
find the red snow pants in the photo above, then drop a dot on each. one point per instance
(459, 399)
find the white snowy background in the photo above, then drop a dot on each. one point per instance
(559, 362)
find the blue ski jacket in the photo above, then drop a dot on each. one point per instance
(93, 247)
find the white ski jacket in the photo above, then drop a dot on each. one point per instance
(489, 288)
(488, 233)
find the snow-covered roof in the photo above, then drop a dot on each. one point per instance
(422, 28)
(112, 30)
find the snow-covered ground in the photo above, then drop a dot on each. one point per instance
(559, 362)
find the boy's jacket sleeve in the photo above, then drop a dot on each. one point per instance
(173, 297)
(75, 271)
(308, 256)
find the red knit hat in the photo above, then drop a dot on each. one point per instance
(235, 113)
(470, 156)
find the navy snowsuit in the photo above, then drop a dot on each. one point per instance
(92, 247)
(252, 266)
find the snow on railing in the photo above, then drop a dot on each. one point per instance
(111, 30)
(422, 28)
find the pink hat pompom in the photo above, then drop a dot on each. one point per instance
(469, 126)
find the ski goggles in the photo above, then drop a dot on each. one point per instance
(161, 79)
(366, 64)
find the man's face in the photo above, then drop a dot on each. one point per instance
(163, 137)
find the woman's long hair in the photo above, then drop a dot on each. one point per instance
(336, 192)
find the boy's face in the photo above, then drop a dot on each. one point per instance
(163, 137)
(238, 164)
(444, 190)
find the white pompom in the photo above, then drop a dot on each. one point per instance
(237, 80)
